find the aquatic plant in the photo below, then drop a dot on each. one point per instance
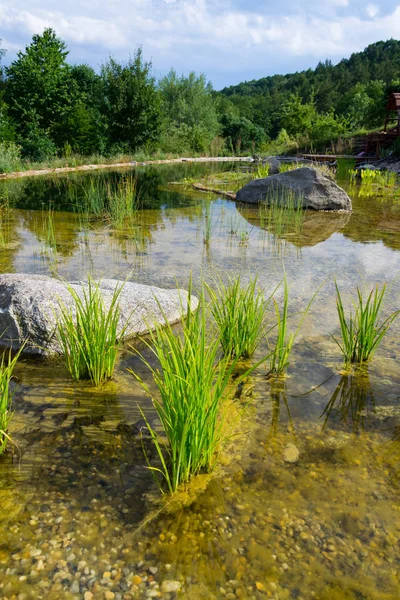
(88, 333)
(281, 350)
(49, 234)
(290, 166)
(239, 312)
(263, 171)
(7, 365)
(282, 212)
(363, 331)
(115, 203)
(193, 384)
(4, 221)
(343, 167)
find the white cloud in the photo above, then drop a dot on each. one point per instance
(206, 35)
(372, 10)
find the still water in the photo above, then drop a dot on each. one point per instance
(80, 515)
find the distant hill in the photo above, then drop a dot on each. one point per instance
(329, 85)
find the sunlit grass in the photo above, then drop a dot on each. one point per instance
(282, 212)
(7, 365)
(88, 333)
(239, 312)
(363, 330)
(192, 382)
(263, 171)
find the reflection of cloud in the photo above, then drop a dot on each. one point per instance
(187, 33)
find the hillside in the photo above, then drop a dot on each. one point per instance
(357, 84)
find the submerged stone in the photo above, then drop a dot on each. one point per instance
(309, 187)
(291, 454)
(30, 306)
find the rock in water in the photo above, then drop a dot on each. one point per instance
(29, 305)
(309, 187)
(291, 454)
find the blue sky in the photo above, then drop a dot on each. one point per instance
(229, 40)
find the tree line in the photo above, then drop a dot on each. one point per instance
(50, 108)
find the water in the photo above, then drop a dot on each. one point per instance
(80, 512)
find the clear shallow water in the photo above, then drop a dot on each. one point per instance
(80, 511)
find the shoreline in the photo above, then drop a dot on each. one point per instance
(57, 170)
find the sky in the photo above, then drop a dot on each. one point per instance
(228, 40)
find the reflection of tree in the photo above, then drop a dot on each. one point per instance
(351, 401)
(278, 395)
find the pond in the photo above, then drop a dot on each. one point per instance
(80, 515)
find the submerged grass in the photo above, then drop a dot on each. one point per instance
(192, 384)
(363, 331)
(7, 365)
(88, 333)
(239, 313)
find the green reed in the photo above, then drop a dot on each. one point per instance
(7, 365)
(115, 203)
(291, 166)
(4, 222)
(344, 166)
(263, 171)
(282, 212)
(192, 384)
(49, 233)
(363, 330)
(88, 333)
(281, 350)
(239, 313)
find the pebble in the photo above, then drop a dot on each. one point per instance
(169, 586)
(291, 454)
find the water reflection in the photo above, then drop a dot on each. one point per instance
(352, 402)
(279, 402)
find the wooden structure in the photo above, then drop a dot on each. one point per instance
(393, 105)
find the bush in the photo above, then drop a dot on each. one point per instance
(10, 157)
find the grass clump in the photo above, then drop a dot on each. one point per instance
(344, 167)
(239, 313)
(192, 384)
(7, 365)
(263, 171)
(363, 330)
(88, 333)
(282, 212)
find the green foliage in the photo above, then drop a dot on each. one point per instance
(239, 313)
(192, 384)
(242, 135)
(282, 212)
(88, 333)
(7, 365)
(40, 93)
(263, 171)
(363, 331)
(131, 102)
(190, 117)
(10, 157)
(344, 168)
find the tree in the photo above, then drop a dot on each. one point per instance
(131, 103)
(242, 134)
(190, 115)
(40, 92)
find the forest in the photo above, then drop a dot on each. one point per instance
(50, 108)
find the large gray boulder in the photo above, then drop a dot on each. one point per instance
(29, 305)
(311, 188)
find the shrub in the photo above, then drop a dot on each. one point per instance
(10, 157)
